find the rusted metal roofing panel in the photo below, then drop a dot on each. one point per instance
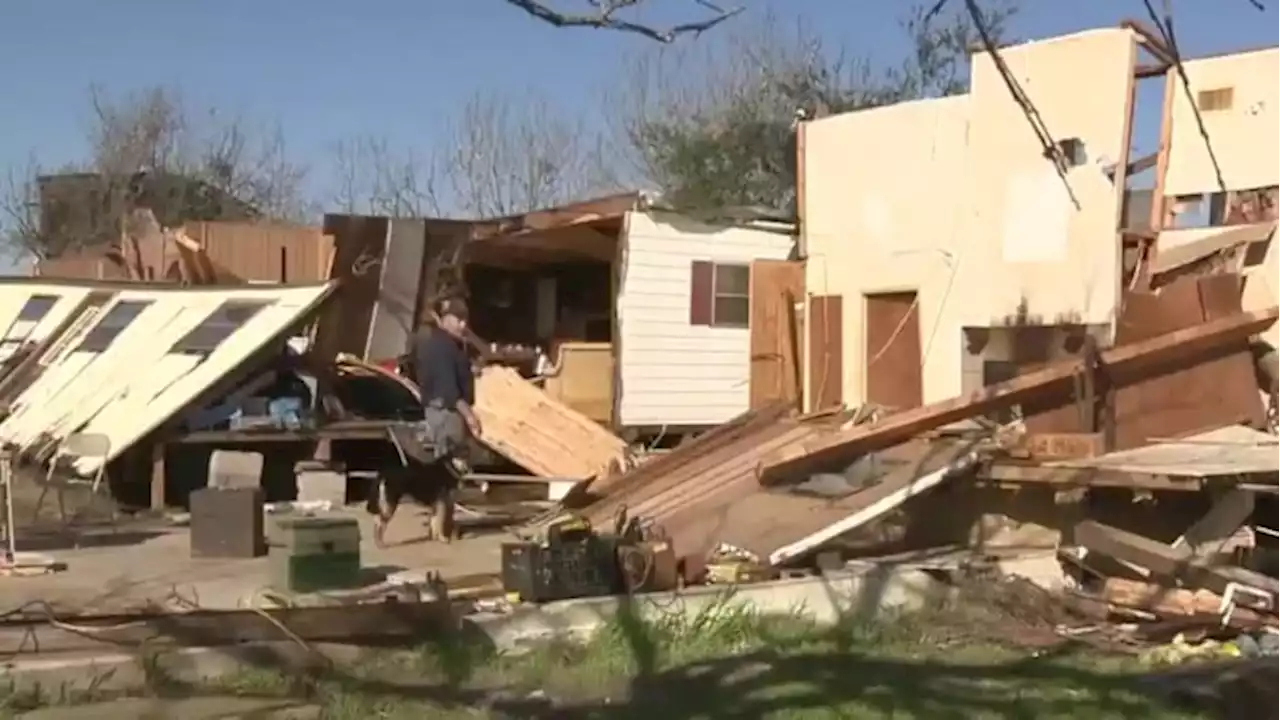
(146, 355)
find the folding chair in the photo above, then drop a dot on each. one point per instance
(75, 446)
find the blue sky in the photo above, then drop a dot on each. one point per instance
(326, 70)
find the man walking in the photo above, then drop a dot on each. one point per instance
(443, 373)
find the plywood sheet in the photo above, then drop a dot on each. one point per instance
(776, 285)
(543, 436)
(894, 359)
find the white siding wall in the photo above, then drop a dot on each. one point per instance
(673, 373)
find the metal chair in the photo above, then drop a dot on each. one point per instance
(75, 446)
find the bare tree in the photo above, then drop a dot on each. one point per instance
(712, 125)
(621, 15)
(148, 149)
(506, 156)
(374, 178)
(499, 156)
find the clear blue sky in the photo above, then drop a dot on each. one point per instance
(329, 69)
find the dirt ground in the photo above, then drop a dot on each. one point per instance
(148, 561)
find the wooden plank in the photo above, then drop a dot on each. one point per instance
(1083, 477)
(353, 623)
(1178, 563)
(1064, 446)
(830, 450)
(774, 285)
(826, 360)
(894, 372)
(540, 434)
(1159, 207)
(638, 478)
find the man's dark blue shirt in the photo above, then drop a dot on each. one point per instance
(443, 370)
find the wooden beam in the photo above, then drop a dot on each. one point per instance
(1150, 40)
(1024, 474)
(1177, 563)
(352, 623)
(1159, 211)
(827, 451)
(1150, 70)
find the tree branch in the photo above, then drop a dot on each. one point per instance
(606, 17)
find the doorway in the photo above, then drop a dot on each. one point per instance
(894, 372)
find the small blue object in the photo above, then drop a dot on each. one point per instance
(286, 411)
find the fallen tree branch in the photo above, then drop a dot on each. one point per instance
(605, 17)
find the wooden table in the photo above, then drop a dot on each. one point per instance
(338, 430)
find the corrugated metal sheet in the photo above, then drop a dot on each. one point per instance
(264, 252)
(145, 355)
(672, 372)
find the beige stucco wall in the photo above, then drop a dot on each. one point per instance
(882, 214)
(953, 198)
(1245, 139)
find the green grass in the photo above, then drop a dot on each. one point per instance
(728, 662)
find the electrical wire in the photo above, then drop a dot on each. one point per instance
(1052, 151)
(1165, 27)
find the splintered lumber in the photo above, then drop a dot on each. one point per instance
(1168, 561)
(1167, 601)
(541, 435)
(700, 446)
(841, 447)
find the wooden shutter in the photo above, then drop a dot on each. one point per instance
(701, 292)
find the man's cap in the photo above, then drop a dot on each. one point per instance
(456, 307)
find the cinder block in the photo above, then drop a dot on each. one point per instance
(229, 469)
(322, 486)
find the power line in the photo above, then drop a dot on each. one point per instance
(1050, 148)
(1165, 27)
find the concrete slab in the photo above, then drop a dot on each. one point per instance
(864, 593)
(861, 593)
(135, 568)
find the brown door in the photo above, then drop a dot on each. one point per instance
(826, 351)
(776, 286)
(894, 375)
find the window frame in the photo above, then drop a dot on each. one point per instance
(105, 331)
(717, 295)
(217, 327)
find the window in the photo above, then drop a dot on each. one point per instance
(720, 295)
(1215, 99)
(116, 319)
(32, 312)
(36, 307)
(209, 334)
